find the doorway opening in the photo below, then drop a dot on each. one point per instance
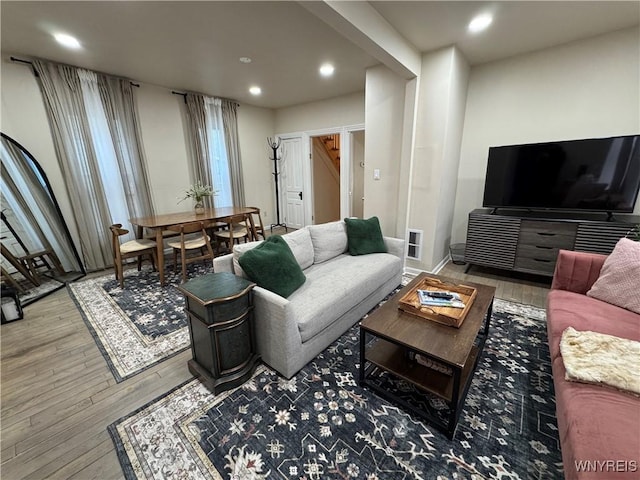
(322, 175)
(325, 174)
(356, 190)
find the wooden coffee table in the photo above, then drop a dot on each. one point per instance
(457, 350)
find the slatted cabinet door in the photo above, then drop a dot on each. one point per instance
(492, 240)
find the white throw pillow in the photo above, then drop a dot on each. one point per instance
(238, 250)
(619, 280)
(299, 242)
(329, 240)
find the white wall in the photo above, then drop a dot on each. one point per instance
(309, 119)
(442, 97)
(384, 120)
(254, 126)
(163, 138)
(22, 117)
(459, 82)
(579, 90)
(584, 89)
(166, 146)
(330, 113)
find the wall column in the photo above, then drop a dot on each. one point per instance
(441, 103)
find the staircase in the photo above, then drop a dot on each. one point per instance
(332, 146)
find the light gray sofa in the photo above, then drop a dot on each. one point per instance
(338, 291)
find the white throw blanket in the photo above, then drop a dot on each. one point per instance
(593, 357)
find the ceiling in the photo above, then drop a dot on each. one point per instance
(196, 46)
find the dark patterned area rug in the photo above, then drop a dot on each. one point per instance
(322, 425)
(137, 326)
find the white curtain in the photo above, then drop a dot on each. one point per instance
(200, 167)
(24, 192)
(215, 158)
(232, 143)
(103, 146)
(122, 120)
(218, 153)
(98, 167)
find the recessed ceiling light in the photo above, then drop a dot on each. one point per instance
(245, 60)
(327, 70)
(479, 23)
(67, 40)
(255, 90)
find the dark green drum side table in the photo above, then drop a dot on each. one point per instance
(220, 314)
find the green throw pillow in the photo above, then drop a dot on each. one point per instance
(364, 236)
(273, 267)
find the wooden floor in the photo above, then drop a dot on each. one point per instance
(58, 395)
(512, 286)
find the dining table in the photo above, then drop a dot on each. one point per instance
(159, 223)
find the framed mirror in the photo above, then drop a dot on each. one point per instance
(38, 253)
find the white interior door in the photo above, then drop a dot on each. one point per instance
(292, 179)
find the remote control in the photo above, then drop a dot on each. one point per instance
(446, 296)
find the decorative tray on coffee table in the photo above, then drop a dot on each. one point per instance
(410, 302)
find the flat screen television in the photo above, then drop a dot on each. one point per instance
(596, 174)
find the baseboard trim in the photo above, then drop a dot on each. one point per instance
(435, 270)
(441, 265)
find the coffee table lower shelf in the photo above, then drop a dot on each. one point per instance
(392, 358)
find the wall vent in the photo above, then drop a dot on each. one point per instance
(414, 245)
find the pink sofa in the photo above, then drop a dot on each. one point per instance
(599, 427)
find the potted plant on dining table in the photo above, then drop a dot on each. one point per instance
(198, 192)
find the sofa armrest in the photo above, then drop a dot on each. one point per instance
(223, 263)
(277, 334)
(395, 246)
(577, 271)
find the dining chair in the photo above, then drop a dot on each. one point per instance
(35, 263)
(214, 225)
(132, 248)
(236, 227)
(21, 267)
(6, 278)
(165, 234)
(192, 237)
(258, 226)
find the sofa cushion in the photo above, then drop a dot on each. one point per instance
(569, 309)
(595, 423)
(299, 242)
(273, 267)
(619, 280)
(333, 288)
(364, 236)
(577, 271)
(329, 240)
(238, 251)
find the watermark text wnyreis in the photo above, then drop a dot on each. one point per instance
(606, 465)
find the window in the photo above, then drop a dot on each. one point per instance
(109, 170)
(218, 161)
